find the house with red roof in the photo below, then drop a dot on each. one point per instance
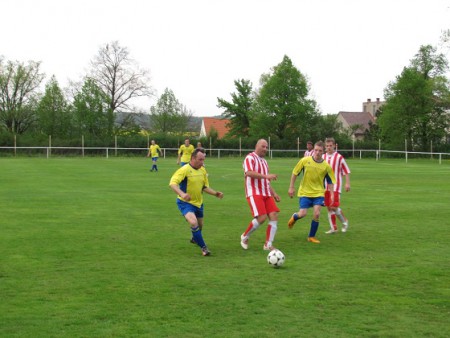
(211, 123)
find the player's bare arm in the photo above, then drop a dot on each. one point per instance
(180, 192)
(210, 191)
(254, 174)
(347, 182)
(275, 195)
(291, 190)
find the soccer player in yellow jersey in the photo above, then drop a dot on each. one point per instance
(312, 188)
(153, 151)
(185, 152)
(189, 182)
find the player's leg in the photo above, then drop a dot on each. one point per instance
(259, 216)
(155, 166)
(318, 202)
(272, 210)
(343, 219)
(194, 216)
(304, 204)
(331, 220)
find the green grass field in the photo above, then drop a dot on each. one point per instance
(95, 247)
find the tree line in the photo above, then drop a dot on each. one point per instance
(416, 109)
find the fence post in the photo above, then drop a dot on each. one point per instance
(379, 149)
(49, 152)
(15, 145)
(406, 150)
(240, 146)
(82, 145)
(353, 147)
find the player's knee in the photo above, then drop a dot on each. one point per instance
(261, 218)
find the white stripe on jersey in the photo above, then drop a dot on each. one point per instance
(254, 186)
(339, 166)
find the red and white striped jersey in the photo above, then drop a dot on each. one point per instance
(339, 166)
(254, 186)
(309, 153)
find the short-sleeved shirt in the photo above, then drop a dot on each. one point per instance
(339, 166)
(314, 176)
(191, 181)
(256, 186)
(186, 152)
(154, 149)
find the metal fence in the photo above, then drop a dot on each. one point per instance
(376, 154)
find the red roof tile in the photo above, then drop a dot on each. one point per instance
(218, 124)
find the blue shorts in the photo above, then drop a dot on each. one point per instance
(183, 163)
(186, 207)
(309, 202)
(154, 159)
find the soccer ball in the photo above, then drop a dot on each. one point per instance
(275, 258)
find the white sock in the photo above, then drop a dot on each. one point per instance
(340, 216)
(273, 230)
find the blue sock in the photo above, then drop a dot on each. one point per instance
(314, 227)
(296, 218)
(197, 234)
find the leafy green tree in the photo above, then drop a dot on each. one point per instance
(326, 126)
(239, 111)
(54, 117)
(416, 103)
(169, 115)
(19, 84)
(282, 106)
(92, 111)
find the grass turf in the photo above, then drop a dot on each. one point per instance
(96, 247)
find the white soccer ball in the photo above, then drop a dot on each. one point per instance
(276, 258)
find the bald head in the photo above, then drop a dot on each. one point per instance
(261, 147)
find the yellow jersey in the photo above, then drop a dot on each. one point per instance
(191, 181)
(314, 176)
(154, 149)
(186, 152)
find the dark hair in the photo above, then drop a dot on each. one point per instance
(196, 151)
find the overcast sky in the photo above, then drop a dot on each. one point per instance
(348, 49)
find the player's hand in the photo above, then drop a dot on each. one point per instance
(277, 197)
(347, 188)
(219, 194)
(186, 197)
(271, 177)
(291, 192)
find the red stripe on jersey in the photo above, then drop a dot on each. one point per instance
(255, 186)
(339, 166)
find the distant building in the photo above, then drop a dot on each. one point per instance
(219, 125)
(372, 106)
(362, 119)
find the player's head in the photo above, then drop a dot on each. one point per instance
(261, 147)
(199, 145)
(153, 142)
(187, 142)
(330, 145)
(318, 150)
(309, 145)
(198, 158)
